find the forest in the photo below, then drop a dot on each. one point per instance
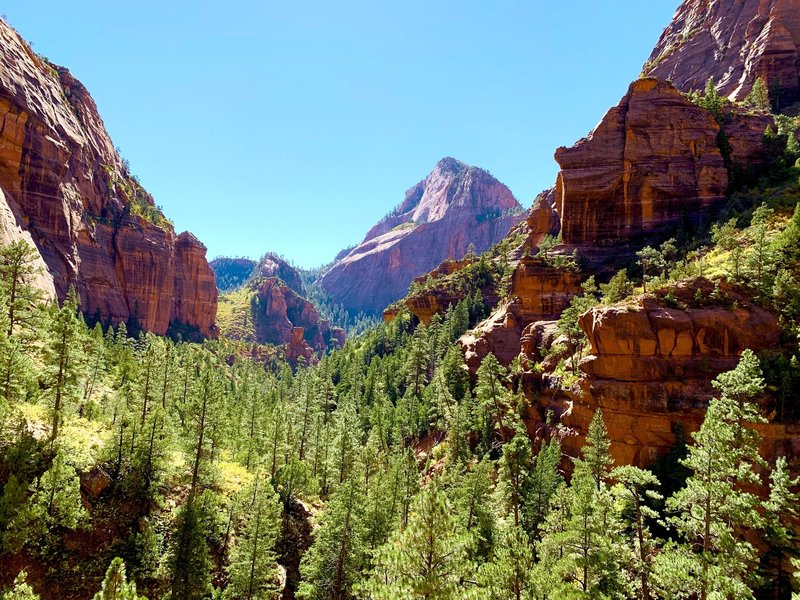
(144, 467)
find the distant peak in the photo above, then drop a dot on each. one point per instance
(451, 164)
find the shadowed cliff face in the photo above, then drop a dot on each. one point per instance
(454, 207)
(95, 228)
(735, 42)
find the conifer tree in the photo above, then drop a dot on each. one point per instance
(63, 359)
(427, 559)
(335, 560)
(709, 512)
(636, 487)
(17, 272)
(781, 510)
(509, 575)
(20, 589)
(253, 572)
(115, 585)
(596, 455)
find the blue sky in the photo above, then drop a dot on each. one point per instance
(294, 126)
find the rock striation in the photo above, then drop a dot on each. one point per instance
(735, 42)
(65, 188)
(650, 369)
(539, 292)
(652, 162)
(455, 207)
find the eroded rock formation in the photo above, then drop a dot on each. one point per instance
(650, 367)
(651, 162)
(270, 310)
(455, 207)
(64, 185)
(539, 292)
(735, 42)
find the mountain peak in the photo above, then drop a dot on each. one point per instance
(736, 43)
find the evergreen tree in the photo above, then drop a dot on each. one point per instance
(635, 487)
(780, 513)
(17, 273)
(510, 573)
(709, 512)
(427, 559)
(581, 547)
(116, 585)
(20, 589)
(253, 570)
(596, 452)
(335, 560)
(63, 359)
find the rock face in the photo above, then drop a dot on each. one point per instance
(651, 162)
(735, 42)
(93, 225)
(538, 293)
(273, 265)
(282, 316)
(454, 207)
(271, 309)
(650, 370)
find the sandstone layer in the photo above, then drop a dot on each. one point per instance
(735, 42)
(650, 369)
(652, 162)
(91, 222)
(539, 292)
(455, 207)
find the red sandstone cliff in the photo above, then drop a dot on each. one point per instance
(454, 207)
(735, 42)
(650, 369)
(92, 223)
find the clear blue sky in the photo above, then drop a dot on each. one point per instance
(293, 126)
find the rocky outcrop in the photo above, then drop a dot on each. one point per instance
(455, 207)
(735, 42)
(650, 367)
(539, 292)
(92, 223)
(268, 311)
(273, 265)
(651, 163)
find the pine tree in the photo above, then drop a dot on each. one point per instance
(335, 560)
(20, 589)
(596, 452)
(510, 573)
(636, 489)
(63, 359)
(581, 546)
(492, 400)
(190, 560)
(17, 272)
(710, 511)
(780, 513)
(253, 570)
(758, 97)
(116, 585)
(427, 559)
(543, 482)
